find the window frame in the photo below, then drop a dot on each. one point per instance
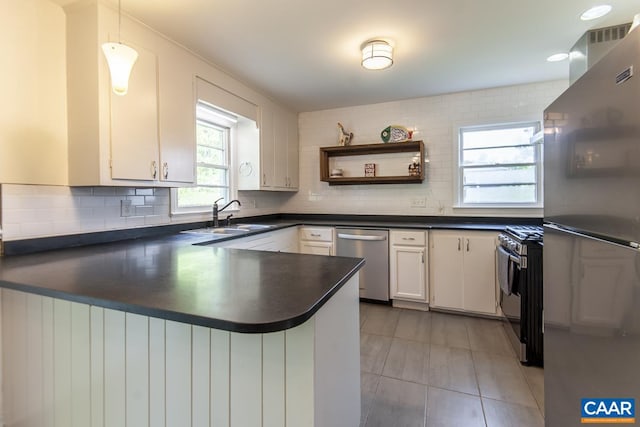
(221, 120)
(459, 168)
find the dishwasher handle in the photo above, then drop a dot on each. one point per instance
(361, 237)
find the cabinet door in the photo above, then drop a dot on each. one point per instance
(134, 123)
(316, 248)
(293, 162)
(266, 146)
(177, 115)
(407, 273)
(480, 272)
(280, 173)
(446, 270)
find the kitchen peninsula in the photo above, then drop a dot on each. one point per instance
(161, 332)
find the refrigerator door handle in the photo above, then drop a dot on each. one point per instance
(633, 246)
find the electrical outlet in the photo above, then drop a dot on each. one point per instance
(419, 202)
(125, 208)
(253, 204)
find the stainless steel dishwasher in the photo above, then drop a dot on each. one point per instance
(373, 246)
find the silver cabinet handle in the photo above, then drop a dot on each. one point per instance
(314, 235)
(154, 169)
(467, 245)
(459, 243)
(422, 253)
(264, 179)
(408, 238)
(165, 170)
(361, 237)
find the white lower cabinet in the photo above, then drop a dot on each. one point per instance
(463, 271)
(408, 265)
(316, 241)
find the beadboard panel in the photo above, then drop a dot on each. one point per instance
(70, 364)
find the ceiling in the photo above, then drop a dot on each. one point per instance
(306, 53)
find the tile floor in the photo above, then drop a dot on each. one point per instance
(443, 370)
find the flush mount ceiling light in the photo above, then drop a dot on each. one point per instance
(120, 58)
(377, 55)
(558, 57)
(595, 12)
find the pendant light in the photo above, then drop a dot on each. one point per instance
(377, 55)
(120, 58)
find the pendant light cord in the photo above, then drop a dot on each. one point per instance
(119, 20)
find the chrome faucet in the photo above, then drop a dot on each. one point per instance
(216, 210)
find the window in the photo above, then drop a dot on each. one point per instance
(500, 165)
(213, 135)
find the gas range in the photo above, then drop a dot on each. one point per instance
(515, 238)
(520, 256)
(531, 233)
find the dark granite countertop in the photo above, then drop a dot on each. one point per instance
(182, 277)
(18, 247)
(170, 278)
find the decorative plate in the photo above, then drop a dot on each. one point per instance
(395, 133)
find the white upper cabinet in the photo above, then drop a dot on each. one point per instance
(176, 108)
(267, 146)
(145, 137)
(276, 169)
(285, 150)
(134, 123)
(33, 121)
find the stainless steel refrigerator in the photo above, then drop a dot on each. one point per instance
(592, 236)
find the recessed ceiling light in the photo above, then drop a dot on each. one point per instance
(595, 12)
(558, 57)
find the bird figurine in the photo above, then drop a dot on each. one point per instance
(344, 137)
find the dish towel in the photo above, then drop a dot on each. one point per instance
(504, 276)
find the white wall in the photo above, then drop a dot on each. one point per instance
(436, 119)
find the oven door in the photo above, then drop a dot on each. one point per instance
(512, 307)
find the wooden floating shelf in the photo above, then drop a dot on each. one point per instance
(358, 150)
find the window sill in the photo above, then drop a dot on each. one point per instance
(207, 211)
(497, 206)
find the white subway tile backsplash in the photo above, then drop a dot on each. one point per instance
(104, 191)
(144, 210)
(156, 219)
(144, 191)
(125, 191)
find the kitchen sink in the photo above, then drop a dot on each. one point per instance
(228, 230)
(251, 227)
(219, 230)
(231, 230)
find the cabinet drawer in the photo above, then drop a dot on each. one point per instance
(315, 234)
(408, 238)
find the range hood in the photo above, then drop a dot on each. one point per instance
(592, 46)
